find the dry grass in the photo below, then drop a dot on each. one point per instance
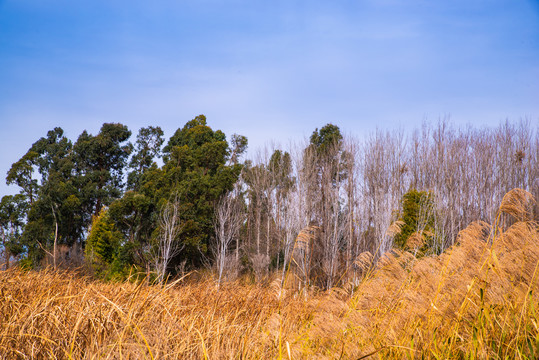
(60, 315)
(477, 300)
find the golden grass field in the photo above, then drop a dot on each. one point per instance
(478, 300)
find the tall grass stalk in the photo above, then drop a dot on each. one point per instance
(478, 300)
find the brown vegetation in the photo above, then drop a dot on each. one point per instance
(477, 300)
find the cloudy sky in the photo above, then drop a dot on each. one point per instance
(270, 70)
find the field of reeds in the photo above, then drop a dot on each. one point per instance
(478, 300)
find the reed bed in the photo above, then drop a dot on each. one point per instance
(478, 300)
(61, 315)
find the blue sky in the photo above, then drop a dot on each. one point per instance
(270, 70)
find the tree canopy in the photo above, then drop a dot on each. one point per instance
(149, 205)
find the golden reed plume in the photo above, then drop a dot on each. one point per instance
(477, 300)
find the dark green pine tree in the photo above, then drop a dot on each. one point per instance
(198, 169)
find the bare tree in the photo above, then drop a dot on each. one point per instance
(350, 167)
(302, 253)
(257, 179)
(356, 198)
(331, 212)
(229, 217)
(167, 245)
(291, 227)
(297, 215)
(383, 180)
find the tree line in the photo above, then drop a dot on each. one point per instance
(320, 208)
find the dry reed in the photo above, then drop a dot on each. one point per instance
(477, 300)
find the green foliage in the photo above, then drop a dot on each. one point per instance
(99, 165)
(103, 239)
(66, 185)
(124, 263)
(26, 264)
(53, 154)
(327, 169)
(132, 215)
(418, 218)
(55, 201)
(239, 145)
(76, 181)
(327, 137)
(195, 134)
(280, 166)
(21, 172)
(106, 252)
(147, 150)
(13, 210)
(195, 168)
(326, 150)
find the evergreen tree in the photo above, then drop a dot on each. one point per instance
(100, 162)
(103, 243)
(53, 205)
(13, 210)
(196, 169)
(147, 151)
(417, 217)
